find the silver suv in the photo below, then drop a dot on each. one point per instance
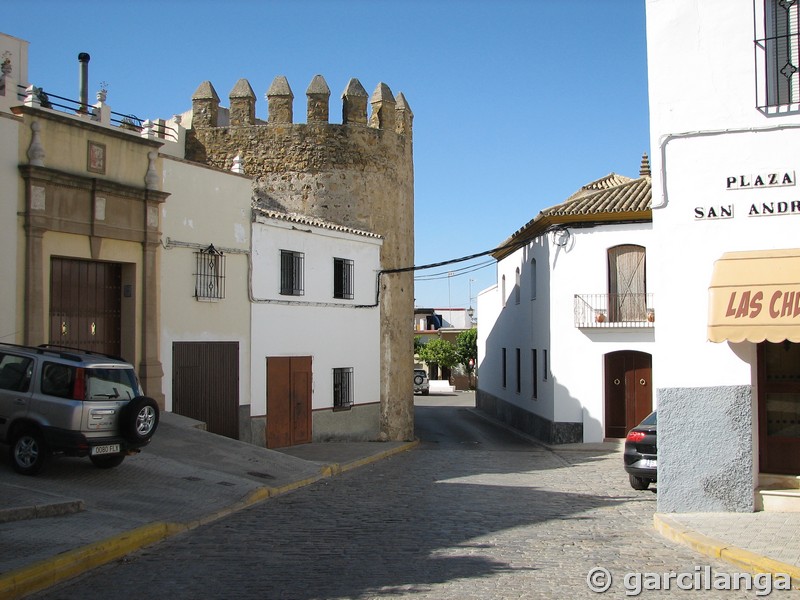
(56, 400)
(421, 383)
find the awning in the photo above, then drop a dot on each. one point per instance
(755, 296)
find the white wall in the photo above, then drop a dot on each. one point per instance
(205, 207)
(336, 333)
(705, 128)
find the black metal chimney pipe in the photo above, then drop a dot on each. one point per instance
(83, 59)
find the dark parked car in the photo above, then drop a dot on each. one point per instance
(640, 453)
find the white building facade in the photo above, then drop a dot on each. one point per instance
(725, 136)
(567, 333)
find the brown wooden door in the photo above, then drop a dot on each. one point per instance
(779, 408)
(288, 401)
(205, 384)
(628, 391)
(85, 305)
(626, 284)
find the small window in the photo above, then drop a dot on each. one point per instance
(59, 380)
(519, 371)
(503, 290)
(777, 53)
(292, 273)
(533, 279)
(504, 368)
(516, 287)
(15, 372)
(535, 374)
(209, 274)
(545, 366)
(343, 278)
(343, 388)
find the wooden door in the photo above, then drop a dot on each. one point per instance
(628, 391)
(205, 384)
(779, 408)
(627, 300)
(85, 305)
(288, 401)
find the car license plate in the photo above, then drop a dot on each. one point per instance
(647, 463)
(107, 449)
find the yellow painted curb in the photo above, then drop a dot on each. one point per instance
(744, 559)
(47, 573)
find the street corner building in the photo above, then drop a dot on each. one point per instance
(238, 262)
(727, 256)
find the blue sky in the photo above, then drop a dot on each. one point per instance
(517, 103)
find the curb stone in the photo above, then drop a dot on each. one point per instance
(749, 561)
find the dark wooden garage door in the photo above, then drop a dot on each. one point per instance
(288, 401)
(85, 304)
(205, 384)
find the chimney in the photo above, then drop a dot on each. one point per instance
(83, 82)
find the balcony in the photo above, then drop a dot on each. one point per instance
(614, 310)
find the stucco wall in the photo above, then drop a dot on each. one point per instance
(705, 449)
(11, 246)
(206, 206)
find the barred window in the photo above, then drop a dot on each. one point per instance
(343, 278)
(292, 273)
(343, 388)
(778, 53)
(209, 274)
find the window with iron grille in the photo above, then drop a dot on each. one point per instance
(343, 388)
(292, 273)
(343, 278)
(778, 53)
(209, 274)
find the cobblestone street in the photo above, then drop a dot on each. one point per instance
(482, 515)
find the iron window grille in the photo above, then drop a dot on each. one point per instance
(292, 273)
(209, 274)
(343, 278)
(343, 388)
(777, 31)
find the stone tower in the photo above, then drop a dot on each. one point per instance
(358, 174)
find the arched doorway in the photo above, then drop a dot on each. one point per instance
(628, 391)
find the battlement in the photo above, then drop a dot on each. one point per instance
(388, 113)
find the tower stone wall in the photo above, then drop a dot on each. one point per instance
(359, 174)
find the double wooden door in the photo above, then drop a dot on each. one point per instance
(288, 401)
(628, 391)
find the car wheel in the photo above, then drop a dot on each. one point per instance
(638, 483)
(418, 380)
(107, 461)
(139, 419)
(28, 452)
(425, 392)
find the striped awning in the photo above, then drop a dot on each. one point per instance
(755, 297)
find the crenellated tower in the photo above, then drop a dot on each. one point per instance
(359, 174)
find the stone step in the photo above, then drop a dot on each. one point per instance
(770, 481)
(778, 500)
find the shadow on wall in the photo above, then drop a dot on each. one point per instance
(516, 385)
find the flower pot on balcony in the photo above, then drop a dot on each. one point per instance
(600, 317)
(651, 316)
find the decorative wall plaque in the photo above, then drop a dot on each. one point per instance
(96, 158)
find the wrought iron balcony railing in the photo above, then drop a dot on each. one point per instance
(614, 310)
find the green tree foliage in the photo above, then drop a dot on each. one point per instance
(439, 352)
(467, 349)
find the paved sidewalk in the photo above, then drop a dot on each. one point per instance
(74, 517)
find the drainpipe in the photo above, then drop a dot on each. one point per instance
(83, 82)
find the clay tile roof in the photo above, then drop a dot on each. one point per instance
(312, 221)
(611, 194)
